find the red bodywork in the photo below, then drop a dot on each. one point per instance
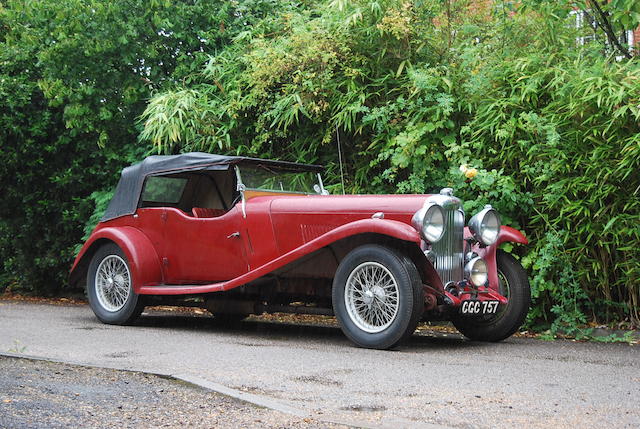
(174, 253)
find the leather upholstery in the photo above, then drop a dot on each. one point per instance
(201, 212)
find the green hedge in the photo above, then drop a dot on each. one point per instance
(74, 76)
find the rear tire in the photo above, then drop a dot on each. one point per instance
(514, 285)
(377, 297)
(110, 287)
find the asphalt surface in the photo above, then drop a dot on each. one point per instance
(314, 372)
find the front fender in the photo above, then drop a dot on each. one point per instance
(383, 227)
(507, 235)
(142, 256)
(391, 228)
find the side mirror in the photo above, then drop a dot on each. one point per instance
(319, 187)
(319, 190)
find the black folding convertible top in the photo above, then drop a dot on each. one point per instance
(127, 193)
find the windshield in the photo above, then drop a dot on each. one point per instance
(264, 178)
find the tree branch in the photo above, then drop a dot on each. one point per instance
(608, 29)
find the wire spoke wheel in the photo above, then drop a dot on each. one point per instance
(513, 285)
(111, 287)
(377, 296)
(372, 297)
(504, 290)
(112, 283)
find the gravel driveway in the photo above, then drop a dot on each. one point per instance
(40, 394)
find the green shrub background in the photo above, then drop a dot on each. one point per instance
(417, 91)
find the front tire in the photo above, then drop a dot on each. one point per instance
(110, 287)
(377, 297)
(514, 285)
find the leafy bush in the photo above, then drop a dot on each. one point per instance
(74, 75)
(564, 122)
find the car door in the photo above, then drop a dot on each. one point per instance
(202, 250)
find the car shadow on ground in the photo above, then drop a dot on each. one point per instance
(249, 328)
(253, 330)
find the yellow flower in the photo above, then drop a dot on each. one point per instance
(471, 173)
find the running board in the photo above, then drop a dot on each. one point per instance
(181, 289)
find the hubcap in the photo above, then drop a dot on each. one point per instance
(113, 283)
(372, 297)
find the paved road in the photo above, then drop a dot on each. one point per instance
(432, 381)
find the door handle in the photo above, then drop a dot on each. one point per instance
(232, 235)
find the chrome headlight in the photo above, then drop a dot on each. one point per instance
(485, 225)
(429, 220)
(476, 271)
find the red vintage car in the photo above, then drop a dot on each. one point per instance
(242, 236)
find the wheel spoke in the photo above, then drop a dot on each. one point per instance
(372, 297)
(113, 283)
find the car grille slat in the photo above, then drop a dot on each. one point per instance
(449, 250)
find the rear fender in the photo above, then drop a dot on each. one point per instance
(142, 257)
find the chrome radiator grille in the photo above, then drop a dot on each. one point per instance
(449, 251)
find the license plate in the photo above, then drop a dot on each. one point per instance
(475, 307)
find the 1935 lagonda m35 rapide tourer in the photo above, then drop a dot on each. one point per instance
(241, 236)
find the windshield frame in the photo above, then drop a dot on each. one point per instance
(316, 184)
